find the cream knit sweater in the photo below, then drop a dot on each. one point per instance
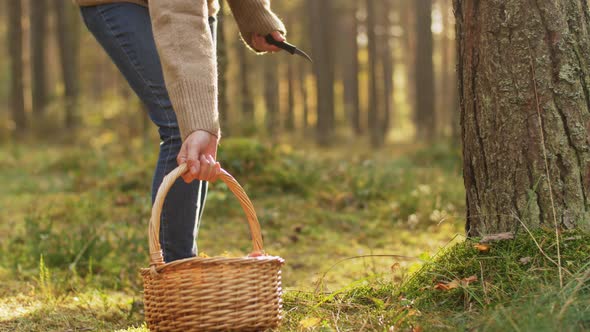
(188, 56)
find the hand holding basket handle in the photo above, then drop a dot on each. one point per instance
(156, 257)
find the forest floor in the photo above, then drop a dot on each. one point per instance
(73, 234)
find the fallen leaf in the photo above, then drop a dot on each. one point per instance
(468, 280)
(394, 267)
(123, 200)
(481, 247)
(447, 285)
(309, 322)
(525, 260)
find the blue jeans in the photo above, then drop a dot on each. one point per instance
(124, 30)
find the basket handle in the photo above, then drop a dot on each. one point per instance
(156, 257)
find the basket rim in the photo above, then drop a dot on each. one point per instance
(218, 260)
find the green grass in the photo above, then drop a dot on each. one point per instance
(74, 235)
(514, 288)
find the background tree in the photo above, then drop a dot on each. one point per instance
(223, 61)
(246, 96)
(323, 52)
(424, 71)
(375, 105)
(290, 116)
(524, 79)
(271, 96)
(350, 83)
(68, 37)
(387, 63)
(38, 39)
(14, 40)
(349, 24)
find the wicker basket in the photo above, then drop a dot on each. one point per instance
(211, 294)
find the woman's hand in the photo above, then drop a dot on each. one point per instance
(261, 45)
(199, 151)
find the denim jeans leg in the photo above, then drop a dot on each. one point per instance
(124, 31)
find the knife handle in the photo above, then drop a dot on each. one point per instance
(283, 45)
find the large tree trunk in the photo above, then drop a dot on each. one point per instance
(323, 52)
(68, 40)
(38, 22)
(15, 47)
(425, 116)
(524, 80)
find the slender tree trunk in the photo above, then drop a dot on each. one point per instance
(15, 47)
(444, 85)
(425, 115)
(454, 93)
(374, 103)
(408, 23)
(248, 121)
(304, 96)
(38, 22)
(290, 121)
(351, 68)
(68, 41)
(271, 95)
(322, 40)
(524, 79)
(222, 59)
(387, 64)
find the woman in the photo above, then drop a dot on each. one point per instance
(166, 51)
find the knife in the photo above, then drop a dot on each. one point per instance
(287, 47)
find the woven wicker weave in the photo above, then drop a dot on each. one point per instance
(211, 294)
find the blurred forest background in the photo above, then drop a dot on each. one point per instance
(384, 72)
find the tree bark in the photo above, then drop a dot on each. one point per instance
(69, 52)
(38, 40)
(524, 87)
(15, 47)
(424, 69)
(323, 52)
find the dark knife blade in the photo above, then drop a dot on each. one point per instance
(287, 47)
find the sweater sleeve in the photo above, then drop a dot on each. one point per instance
(255, 16)
(187, 54)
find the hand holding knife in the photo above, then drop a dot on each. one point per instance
(287, 47)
